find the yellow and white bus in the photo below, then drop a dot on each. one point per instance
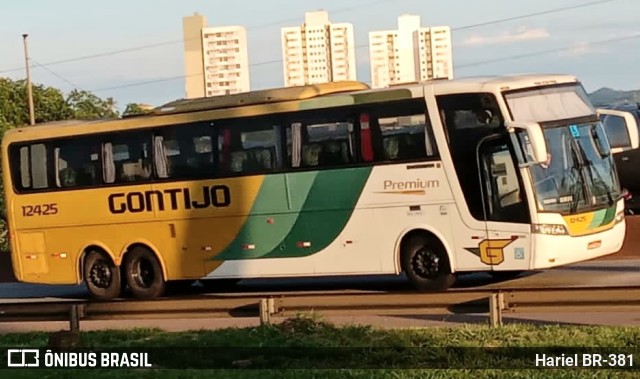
(433, 179)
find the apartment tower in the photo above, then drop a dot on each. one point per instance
(318, 51)
(216, 59)
(410, 54)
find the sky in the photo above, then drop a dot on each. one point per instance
(571, 41)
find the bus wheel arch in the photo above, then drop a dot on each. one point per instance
(143, 271)
(100, 273)
(425, 260)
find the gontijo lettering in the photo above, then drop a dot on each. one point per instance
(173, 198)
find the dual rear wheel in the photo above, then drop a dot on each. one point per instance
(141, 272)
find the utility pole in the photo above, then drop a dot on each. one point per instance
(32, 117)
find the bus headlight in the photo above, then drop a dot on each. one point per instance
(619, 217)
(550, 229)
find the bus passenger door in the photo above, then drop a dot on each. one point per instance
(508, 244)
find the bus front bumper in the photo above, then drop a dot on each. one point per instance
(554, 251)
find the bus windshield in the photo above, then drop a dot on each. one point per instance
(549, 104)
(579, 174)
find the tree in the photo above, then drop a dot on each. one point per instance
(87, 106)
(135, 109)
(49, 103)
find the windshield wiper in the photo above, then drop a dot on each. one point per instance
(578, 181)
(575, 198)
(588, 163)
(606, 188)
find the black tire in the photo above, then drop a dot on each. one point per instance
(505, 275)
(101, 276)
(426, 264)
(144, 274)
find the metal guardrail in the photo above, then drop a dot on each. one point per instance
(494, 302)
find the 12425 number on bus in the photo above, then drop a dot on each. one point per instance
(39, 210)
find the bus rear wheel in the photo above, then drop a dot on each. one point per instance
(101, 276)
(144, 274)
(426, 264)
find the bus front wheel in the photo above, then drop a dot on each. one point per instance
(101, 276)
(144, 274)
(426, 264)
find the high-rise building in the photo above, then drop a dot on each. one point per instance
(216, 59)
(410, 54)
(226, 60)
(318, 51)
(193, 62)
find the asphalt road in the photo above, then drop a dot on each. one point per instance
(594, 273)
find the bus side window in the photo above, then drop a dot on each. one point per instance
(399, 132)
(254, 149)
(184, 152)
(33, 164)
(322, 144)
(127, 159)
(77, 163)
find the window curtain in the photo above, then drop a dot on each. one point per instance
(296, 144)
(160, 158)
(279, 161)
(109, 169)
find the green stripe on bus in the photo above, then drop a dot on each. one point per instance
(273, 214)
(328, 208)
(610, 214)
(598, 217)
(603, 217)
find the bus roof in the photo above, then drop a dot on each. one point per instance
(285, 99)
(63, 123)
(500, 83)
(267, 96)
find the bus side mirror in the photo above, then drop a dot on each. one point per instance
(621, 128)
(534, 144)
